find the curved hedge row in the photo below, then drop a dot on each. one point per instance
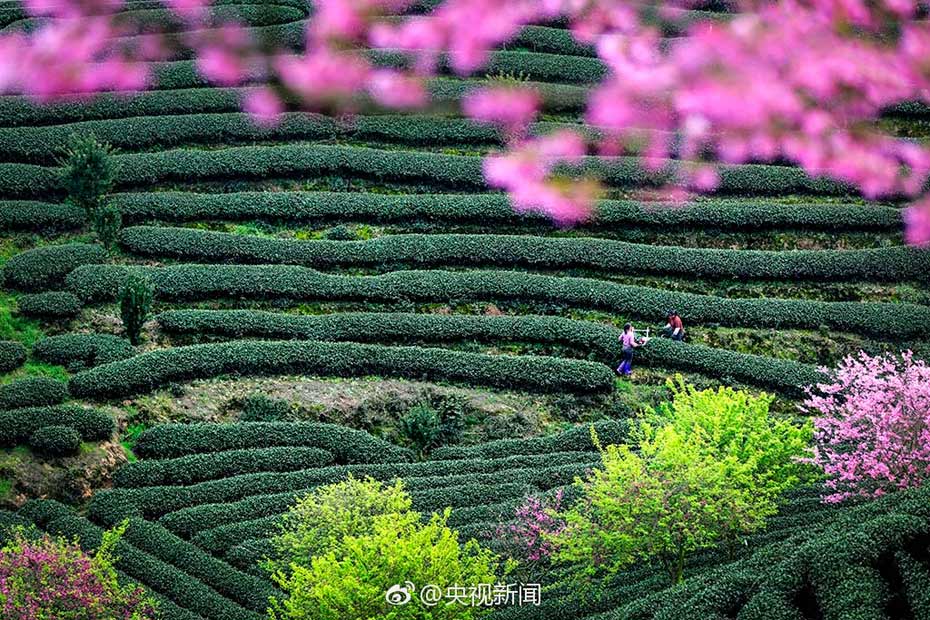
(16, 425)
(46, 266)
(50, 305)
(418, 251)
(42, 144)
(493, 210)
(21, 112)
(79, 351)
(454, 171)
(155, 501)
(188, 522)
(161, 467)
(32, 392)
(12, 355)
(160, 576)
(55, 440)
(593, 338)
(346, 445)
(148, 371)
(195, 468)
(46, 217)
(190, 282)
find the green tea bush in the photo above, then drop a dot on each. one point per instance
(46, 267)
(44, 217)
(460, 250)
(448, 171)
(17, 425)
(50, 305)
(260, 408)
(12, 355)
(593, 338)
(32, 392)
(154, 369)
(494, 210)
(345, 444)
(193, 282)
(195, 468)
(152, 502)
(55, 440)
(80, 351)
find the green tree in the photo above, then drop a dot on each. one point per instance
(135, 301)
(107, 223)
(343, 547)
(89, 172)
(708, 468)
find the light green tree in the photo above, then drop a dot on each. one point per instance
(708, 468)
(344, 546)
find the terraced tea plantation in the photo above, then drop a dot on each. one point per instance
(315, 282)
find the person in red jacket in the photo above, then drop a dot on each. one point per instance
(674, 329)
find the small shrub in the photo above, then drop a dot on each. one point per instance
(81, 351)
(53, 578)
(55, 441)
(89, 172)
(260, 408)
(107, 223)
(421, 427)
(32, 392)
(341, 232)
(50, 305)
(135, 301)
(12, 355)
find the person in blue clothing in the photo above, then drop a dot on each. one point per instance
(629, 342)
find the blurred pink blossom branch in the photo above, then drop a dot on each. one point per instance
(800, 81)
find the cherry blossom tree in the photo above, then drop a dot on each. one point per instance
(872, 430)
(788, 81)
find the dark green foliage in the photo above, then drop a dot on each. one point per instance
(341, 232)
(170, 104)
(80, 351)
(46, 267)
(466, 250)
(260, 408)
(154, 369)
(55, 440)
(190, 282)
(12, 355)
(44, 217)
(195, 468)
(440, 170)
(494, 210)
(345, 444)
(32, 392)
(50, 305)
(107, 223)
(89, 172)
(135, 302)
(17, 425)
(421, 427)
(541, 471)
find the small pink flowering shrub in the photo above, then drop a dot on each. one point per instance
(53, 579)
(872, 431)
(529, 536)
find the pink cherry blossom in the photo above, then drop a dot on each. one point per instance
(512, 108)
(917, 223)
(872, 430)
(264, 105)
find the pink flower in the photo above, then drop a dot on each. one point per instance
(917, 223)
(264, 106)
(396, 90)
(512, 108)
